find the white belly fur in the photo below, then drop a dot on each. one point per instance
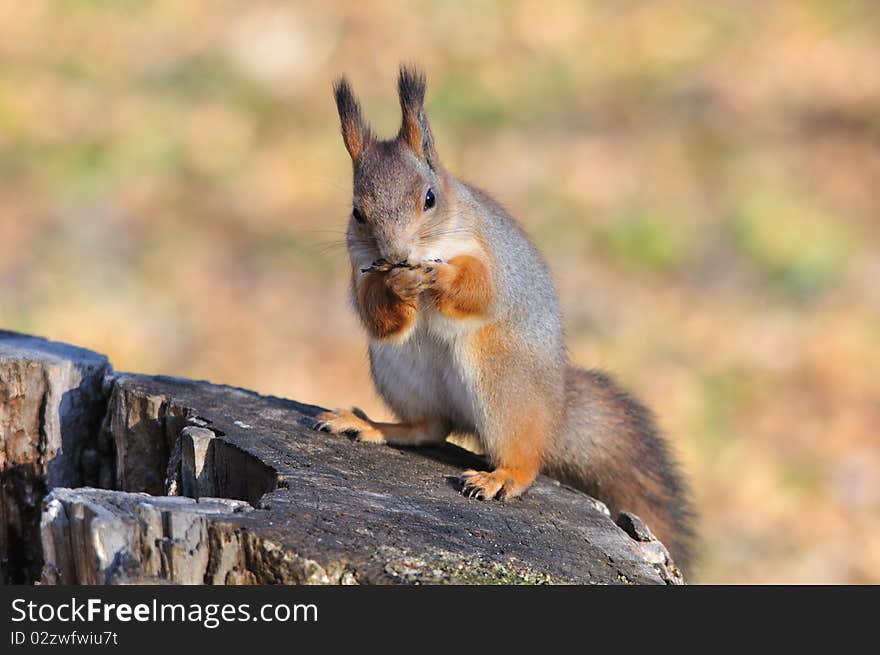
(423, 376)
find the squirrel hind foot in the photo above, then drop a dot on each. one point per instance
(485, 485)
(350, 423)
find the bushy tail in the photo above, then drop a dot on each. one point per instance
(611, 449)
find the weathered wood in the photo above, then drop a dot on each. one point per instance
(300, 506)
(97, 536)
(52, 400)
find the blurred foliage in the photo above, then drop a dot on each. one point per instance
(644, 243)
(802, 250)
(703, 177)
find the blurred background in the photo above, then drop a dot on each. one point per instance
(704, 178)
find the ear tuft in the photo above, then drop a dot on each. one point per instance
(355, 133)
(411, 88)
(415, 129)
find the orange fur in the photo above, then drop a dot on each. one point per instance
(412, 134)
(464, 287)
(523, 418)
(412, 433)
(355, 133)
(383, 312)
(519, 456)
(521, 453)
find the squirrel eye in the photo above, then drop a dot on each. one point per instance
(429, 199)
(358, 215)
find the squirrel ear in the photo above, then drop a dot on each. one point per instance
(414, 129)
(355, 133)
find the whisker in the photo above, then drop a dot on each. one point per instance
(326, 248)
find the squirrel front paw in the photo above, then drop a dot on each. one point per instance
(408, 282)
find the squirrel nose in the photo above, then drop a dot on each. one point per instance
(395, 255)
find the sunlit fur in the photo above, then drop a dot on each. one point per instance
(471, 339)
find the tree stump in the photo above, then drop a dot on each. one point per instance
(117, 478)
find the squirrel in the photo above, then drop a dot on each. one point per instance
(465, 336)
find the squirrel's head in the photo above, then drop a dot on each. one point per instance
(399, 201)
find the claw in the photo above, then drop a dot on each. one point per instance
(483, 485)
(379, 265)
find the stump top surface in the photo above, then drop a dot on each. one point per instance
(391, 512)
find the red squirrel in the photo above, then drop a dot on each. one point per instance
(465, 336)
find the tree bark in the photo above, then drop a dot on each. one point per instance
(217, 485)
